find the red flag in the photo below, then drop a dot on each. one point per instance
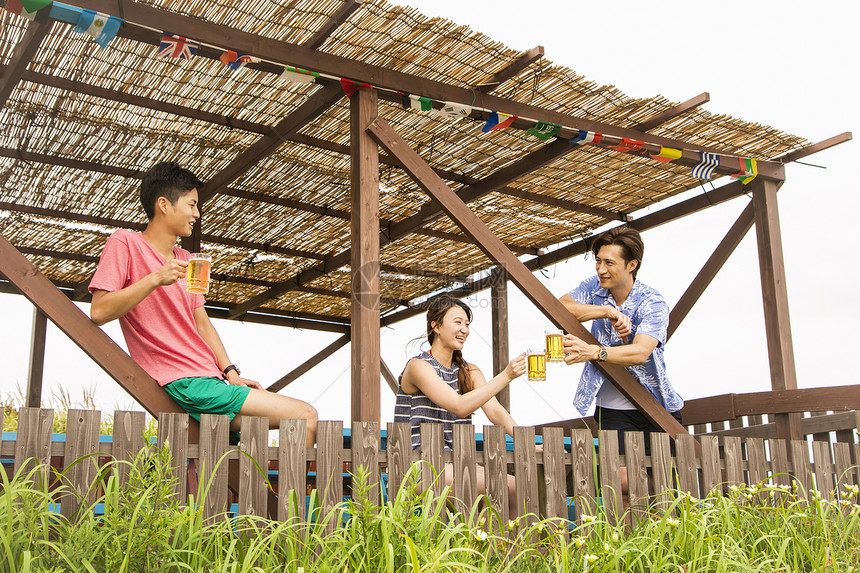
(628, 145)
(350, 87)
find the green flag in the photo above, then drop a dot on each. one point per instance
(544, 130)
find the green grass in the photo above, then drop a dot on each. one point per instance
(145, 528)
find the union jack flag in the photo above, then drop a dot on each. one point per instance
(176, 47)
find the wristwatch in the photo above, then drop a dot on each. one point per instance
(231, 367)
(601, 355)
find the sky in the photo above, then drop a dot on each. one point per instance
(790, 64)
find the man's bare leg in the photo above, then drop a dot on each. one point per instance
(277, 407)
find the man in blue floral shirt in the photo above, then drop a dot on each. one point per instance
(629, 322)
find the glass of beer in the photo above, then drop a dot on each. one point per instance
(554, 346)
(536, 361)
(197, 275)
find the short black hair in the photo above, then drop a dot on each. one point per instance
(630, 241)
(165, 179)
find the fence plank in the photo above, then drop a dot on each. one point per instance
(734, 462)
(842, 461)
(779, 462)
(214, 437)
(33, 440)
(254, 444)
(128, 428)
(465, 468)
(433, 470)
(555, 470)
(802, 470)
(711, 473)
(610, 475)
(82, 439)
(637, 473)
(292, 469)
(688, 474)
(496, 473)
(173, 434)
(820, 436)
(756, 460)
(525, 469)
(399, 452)
(582, 446)
(661, 464)
(365, 447)
(823, 468)
(329, 468)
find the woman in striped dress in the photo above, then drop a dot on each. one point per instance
(438, 386)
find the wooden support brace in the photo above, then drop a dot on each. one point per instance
(674, 112)
(342, 15)
(37, 359)
(388, 376)
(24, 52)
(457, 210)
(499, 328)
(308, 364)
(512, 70)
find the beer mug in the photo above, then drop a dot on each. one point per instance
(554, 346)
(536, 361)
(197, 273)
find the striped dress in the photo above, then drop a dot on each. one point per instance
(417, 408)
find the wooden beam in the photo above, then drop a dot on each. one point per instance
(775, 297)
(815, 147)
(719, 257)
(673, 112)
(512, 70)
(387, 375)
(23, 53)
(454, 237)
(289, 320)
(427, 212)
(364, 259)
(459, 212)
(37, 359)
(499, 329)
(140, 16)
(666, 215)
(335, 20)
(316, 104)
(82, 331)
(308, 364)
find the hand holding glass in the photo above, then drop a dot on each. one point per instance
(536, 364)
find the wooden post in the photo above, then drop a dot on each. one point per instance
(501, 345)
(37, 359)
(364, 259)
(775, 295)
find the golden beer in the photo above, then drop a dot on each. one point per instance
(536, 361)
(197, 274)
(554, 346)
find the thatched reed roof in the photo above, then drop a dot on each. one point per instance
(71, 154)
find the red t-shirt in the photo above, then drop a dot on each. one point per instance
(160, 331)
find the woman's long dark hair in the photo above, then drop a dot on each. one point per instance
(435, 313)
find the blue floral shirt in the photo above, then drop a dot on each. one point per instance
(649, 314)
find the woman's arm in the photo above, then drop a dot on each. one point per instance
(421, 375)
(492, 408)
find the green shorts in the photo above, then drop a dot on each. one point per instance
(207, 396)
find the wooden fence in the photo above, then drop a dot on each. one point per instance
(571, 477)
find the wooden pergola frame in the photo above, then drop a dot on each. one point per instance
(369, 133)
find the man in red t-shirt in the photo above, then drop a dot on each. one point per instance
(141, 281)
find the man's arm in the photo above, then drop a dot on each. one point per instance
(210, 336)
(577, 350)
(584, 312)
(107, 306)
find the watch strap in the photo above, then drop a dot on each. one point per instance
(229, 368)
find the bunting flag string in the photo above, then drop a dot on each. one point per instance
(666, 154)
(451, 109)
(706, 166)
(628, 145)
(234, 60)
(299, 75)
(544, 130)
(101, 27)
(748, 172)
(420, 103)
(587, 138)
(26, 8)
(173, 46)
(350, 87)
(498, 121)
